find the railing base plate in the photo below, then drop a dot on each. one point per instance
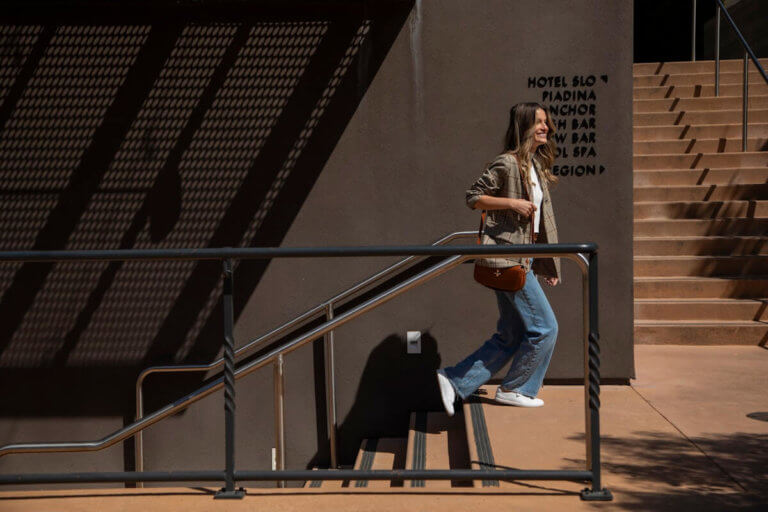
(223, 494)
(596, 495)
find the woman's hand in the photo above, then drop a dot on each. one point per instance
(551, 281)
(522, 206)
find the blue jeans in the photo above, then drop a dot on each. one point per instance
(526, 333)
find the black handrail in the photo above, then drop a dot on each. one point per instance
(743, 41)
(266, 253)
(587, 252)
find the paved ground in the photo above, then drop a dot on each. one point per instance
(691, 433)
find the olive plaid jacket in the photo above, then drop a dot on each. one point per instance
(502, 179)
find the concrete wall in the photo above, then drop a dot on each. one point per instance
(381, 156)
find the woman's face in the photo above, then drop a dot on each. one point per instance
(540, 135)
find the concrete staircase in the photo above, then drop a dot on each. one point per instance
(435, 441)
(700, 206)
(477, 437)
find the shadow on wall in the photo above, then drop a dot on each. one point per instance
(122, 127)
(397, 383)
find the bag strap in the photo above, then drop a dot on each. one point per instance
(527, 195)
(481, 229)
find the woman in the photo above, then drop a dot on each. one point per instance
(527, 328)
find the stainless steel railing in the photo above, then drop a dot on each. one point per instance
(748, 54)
(218, 383)
(326, 307)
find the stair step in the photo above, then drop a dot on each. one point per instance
(701, 131)
(704, 266)
(700, 333)
(700, 245)
(384, 453)
(700, 227)
(710, 310)
(700, 160)
(694, 117)
(700, 209)
(694, 146)
(503, 427)
(679, 177)
(708, 78)
(746, 287)
(702, 192)
(698, 104)
(699, 66)
(324, 484)
(478, 437)
(694, 91)
(437, 441)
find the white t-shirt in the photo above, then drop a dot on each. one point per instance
(538, 195)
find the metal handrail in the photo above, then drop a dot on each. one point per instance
(748, 54)
(324, 307)
(454, 256)
(218, 383)
(747, 48)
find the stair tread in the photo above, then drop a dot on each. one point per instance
(701, 300)
(752, 69)
(708, 168)
(743, 153)
(698, 139)
(729, 96)
(720, 220)
(388, 453)
(505, 426)
(437, 441)
(700, 126)
(324, 484)
(700, 238)
(730, 323)
(706, 202)
(697, 278)
(707, 111)
(700, 257)
(700, 187)
(684, 62)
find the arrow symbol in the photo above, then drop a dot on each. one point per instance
(602, 169)
(604, 78)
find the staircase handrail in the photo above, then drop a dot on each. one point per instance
(325, 306)
(584, 254)
(748, 54)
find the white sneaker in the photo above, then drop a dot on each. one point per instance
(447, 393)
(516, 399)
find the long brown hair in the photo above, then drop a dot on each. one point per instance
(519, 140)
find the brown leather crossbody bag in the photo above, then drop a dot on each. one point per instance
(510, 279)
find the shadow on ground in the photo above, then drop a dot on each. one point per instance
(719, 472)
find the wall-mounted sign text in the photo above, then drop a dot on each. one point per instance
(572, 103)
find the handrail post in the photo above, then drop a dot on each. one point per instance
(330, 389)
(138, 439)
(592, 384)
(279, 384)
(745, 103)
(717, 51)
(585, 328)
(693, 33)
(229, 491)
